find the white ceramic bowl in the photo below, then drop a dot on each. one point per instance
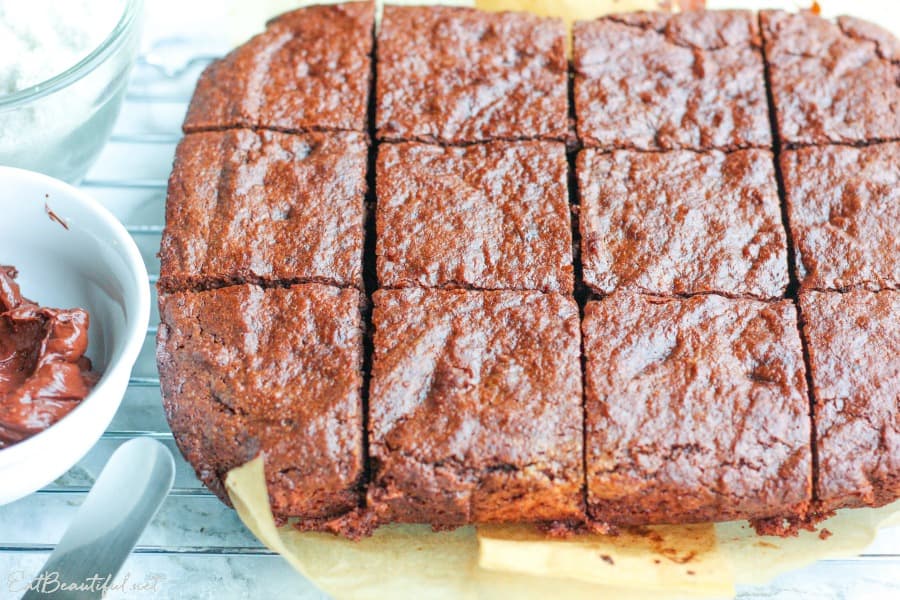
(94, 264)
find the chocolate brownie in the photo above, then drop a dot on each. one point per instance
(854, 355)
(844, 210)
(487, 216)
(682, 222)
(475, 411)
(262, 206)
(455, 75)
(696, 410)
(310, 70)
(652, 81)
(832, 81)
(246, 370)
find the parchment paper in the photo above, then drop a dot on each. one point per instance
(504, 562)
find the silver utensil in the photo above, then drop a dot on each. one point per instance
(106, 527)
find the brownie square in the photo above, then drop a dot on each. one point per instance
(310, 70)
(487, 216)
(454, 75)
(854, 355)
(844, 210)
(696, 410)
(261, 206)
(658, 81)
(246, 370)
(475, 411)
(682, 222)
(832, 81)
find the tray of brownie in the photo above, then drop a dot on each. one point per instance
(450, 277)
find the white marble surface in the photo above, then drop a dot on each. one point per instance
(195, 547)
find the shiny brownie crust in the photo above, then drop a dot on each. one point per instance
(310, 70)
(658, 81)
(844, 212)
(261, 207)
(488, 216)
(832, 82)
(457, 75)
(682, 222)
(854, 354)
(697, 410)
(475, 407)
(246, 370)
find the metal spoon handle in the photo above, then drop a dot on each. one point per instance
(107, 526)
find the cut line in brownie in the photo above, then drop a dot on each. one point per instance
(487, 216)
(475, 410)
(854, 353)
(309, 71)
(261, 207)
(832, 82)
(245, 370)
(457, 75)
(658, 81)
(696, 411)
(682, 222)
(844, 211)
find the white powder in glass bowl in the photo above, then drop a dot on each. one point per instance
(42, 38)
(62, 132)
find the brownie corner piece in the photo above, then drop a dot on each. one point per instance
(238, 381)
(682, 222)
(696, 410)
(488, 76)
(246, 207)
(309, 70)
(843, 206)
(853, 341)
(831, 82)
(486, 216)
(475, 411)
(658, 81)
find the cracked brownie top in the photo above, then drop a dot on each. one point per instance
(854, 355)
(475, 407)
(457, 75)
(697, 410)
(261, 206)
(488, 216)
(310, 70)
(245, 370)
(832, 82)
(682, 222)
(844, 210)
(657, 81)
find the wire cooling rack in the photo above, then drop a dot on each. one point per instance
(196, 547)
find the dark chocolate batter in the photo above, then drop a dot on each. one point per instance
(43, 371)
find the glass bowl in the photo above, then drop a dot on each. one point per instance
(59, 126)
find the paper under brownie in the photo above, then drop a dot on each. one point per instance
(475, 409)
(832, 82)
(844, 211)
(246, 370)
(487, 216)
(258, 207)
(310, 70)
(854, 354)
(654, 80)
(682, 222)
(454, 75)
(697, 411)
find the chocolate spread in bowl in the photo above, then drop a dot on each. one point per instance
(43, 371)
